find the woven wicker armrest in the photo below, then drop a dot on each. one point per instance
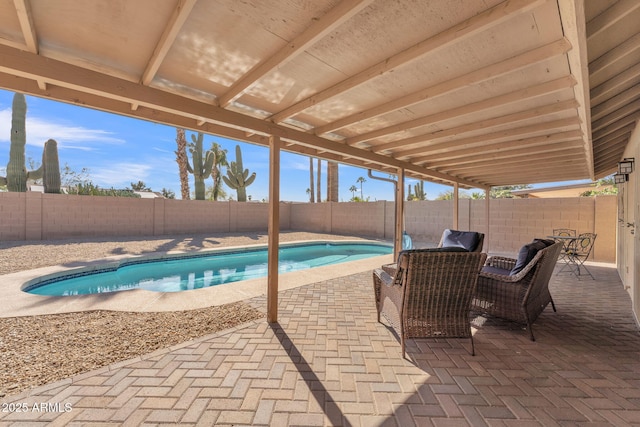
(390, 269)
(501, 262)
(516, 277)
(382, 276)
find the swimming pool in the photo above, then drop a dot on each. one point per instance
(183, 272)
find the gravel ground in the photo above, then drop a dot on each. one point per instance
(38, 350)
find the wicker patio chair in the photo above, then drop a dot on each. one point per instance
(519, 297)
(430, 294)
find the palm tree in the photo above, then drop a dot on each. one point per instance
(332, 181)
(319, 184)
(219, 160)
(353, 190)
(181, 159)
(311, 186)
(361, 180)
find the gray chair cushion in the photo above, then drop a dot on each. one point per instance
(526, 254)
(461, 239)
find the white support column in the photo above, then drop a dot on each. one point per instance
(456, 206)
(274, 229)
(397, 241)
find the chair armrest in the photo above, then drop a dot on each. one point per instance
(390, 269)
(501, 262)
(382, 277)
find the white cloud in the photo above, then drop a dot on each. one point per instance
(40, 130)
(119, 175)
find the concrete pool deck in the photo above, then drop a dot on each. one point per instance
(19, 303)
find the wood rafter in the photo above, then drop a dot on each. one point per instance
(320, 28)
(177, 20)
(560, 137)
(498, 101)
(618, 101)
(518, 162)
(461, 143)
(17, 63)
(615, 85)
(481, 125)
(512, 153)
(457, 33)
(492, 71)
(610, 17)
(626, 114)
(628, 47)
(25, 17)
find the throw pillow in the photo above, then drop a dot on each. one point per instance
(462, 239)
(526, 254)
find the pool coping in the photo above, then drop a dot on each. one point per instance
(19, 303)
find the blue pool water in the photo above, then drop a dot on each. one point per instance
(186, 272)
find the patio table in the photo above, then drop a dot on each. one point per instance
(567, 243)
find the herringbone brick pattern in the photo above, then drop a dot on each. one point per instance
(328, 362)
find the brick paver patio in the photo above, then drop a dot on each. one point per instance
(328, 362)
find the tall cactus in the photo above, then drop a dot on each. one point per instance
(238, 178)
(17, 174)
(50, 167)
(202, 164)
(419, 191)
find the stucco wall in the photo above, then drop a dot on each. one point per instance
(514, 222)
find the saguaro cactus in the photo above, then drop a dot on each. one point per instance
(202, 164)
(419, 191)
(50, 167)
(238, 178)
(17, 174)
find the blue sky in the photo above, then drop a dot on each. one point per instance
(119, 150)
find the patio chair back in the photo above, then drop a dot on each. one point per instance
(431, 293)
(564, 232)
(579, 251)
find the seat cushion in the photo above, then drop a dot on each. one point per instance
(526, 254)
(461, 239)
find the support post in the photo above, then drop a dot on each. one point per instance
(274, 229)
(397, 241)
(487, 197)
(456, 206)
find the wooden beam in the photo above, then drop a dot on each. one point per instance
(455, 34)
(554, 138)
(481, 125)
(344, 11)
(521, 160)
(399, 225)
(462, 143)
(25, 17)
(611, 57)
(572, 15)
(456, 207)
(177, 20)
(627, 114)
(624, 123)
(610, 17)
(18, 63)
(616, 102)
(468, 109)
(274, 229)
(615, 85)
(559, 47)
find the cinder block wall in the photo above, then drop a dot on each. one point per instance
(514, 222)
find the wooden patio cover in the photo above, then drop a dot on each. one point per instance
(476, 93)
